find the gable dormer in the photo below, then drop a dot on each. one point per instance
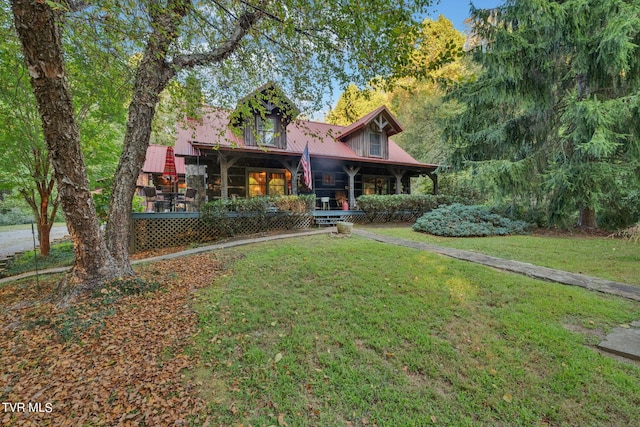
(369, 136)
(262, 117)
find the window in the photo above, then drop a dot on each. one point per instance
(268, 183)
(375, 185)
(257, 184)
(266, 130)
(375, 144)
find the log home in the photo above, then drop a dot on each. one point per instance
(255, 150)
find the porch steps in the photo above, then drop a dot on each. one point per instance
(329, 218)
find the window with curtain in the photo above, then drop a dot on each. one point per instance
(268, 183)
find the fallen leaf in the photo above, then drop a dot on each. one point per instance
(277, 358)
(281, 421)
(507, 398)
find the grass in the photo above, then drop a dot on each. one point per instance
(348, 332)
(60, 255)
(608, 258)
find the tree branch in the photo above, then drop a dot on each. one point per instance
(245, 22)
(77, 5)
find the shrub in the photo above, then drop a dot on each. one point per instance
(15, 216)
(414, 203)
(220, 213)
(619, 211)
(294, 204)
(530, 213)
(458, 220)
(61, 254)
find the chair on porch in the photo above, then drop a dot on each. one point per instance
(151, 198)
(186, 201)
(325, 203)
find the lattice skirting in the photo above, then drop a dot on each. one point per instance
(154, 231)
(162, 232)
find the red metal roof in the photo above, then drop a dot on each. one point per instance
(213, 132)
(154, 162)
(364, 121)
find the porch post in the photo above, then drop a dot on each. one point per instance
(434, 178)
(293, 170)
(398, 174)
(351, 171)
(225, 164)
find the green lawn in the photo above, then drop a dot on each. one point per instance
(608, 258)
(329, 331)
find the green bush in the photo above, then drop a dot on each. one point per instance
(220, 213)
(516, 210)
(459, 220)
(15, 216)
(619, 210)
(415, 203)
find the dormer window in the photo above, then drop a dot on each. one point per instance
(375, 144)
(263, 116)
(369, 136)
(266, 130)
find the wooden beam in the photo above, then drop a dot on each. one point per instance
(293, 169)
(381, 122)
(434, 178)
(225, 163)
(351, 171)
(398, 173)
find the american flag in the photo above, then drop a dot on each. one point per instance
(306, 168)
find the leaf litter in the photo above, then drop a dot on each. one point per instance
(113, 358)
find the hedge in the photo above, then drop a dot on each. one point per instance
(417, 203)
(257, 212)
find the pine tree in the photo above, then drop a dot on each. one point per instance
(554, 116)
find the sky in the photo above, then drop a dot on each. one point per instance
(458, 10)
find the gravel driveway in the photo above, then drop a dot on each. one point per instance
(22, 240)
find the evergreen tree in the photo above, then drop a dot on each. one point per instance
(554, 118)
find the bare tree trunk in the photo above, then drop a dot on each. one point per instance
(587, 218)
(42, 47)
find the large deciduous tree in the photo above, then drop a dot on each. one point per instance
(26, 166)
(554, 116)
(303, 45)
